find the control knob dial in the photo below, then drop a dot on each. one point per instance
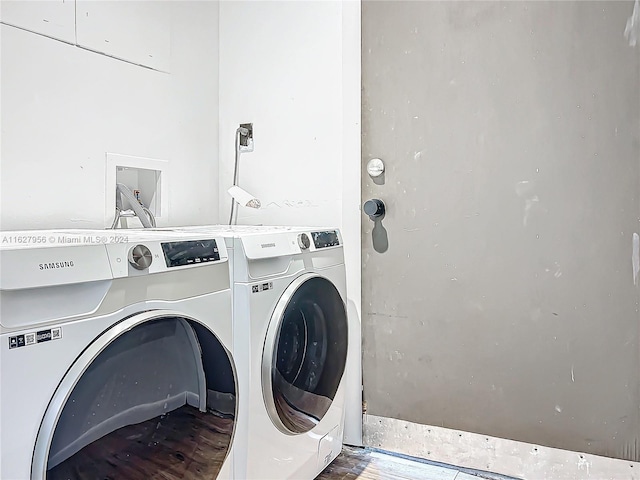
(140, 257)
(303, 241)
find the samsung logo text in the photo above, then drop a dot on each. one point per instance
(54, 265)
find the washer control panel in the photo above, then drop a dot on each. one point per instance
(325, 239)
(190, 252)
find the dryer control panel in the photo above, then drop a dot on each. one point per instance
(190, 252)
(325, 239)
(163, 251)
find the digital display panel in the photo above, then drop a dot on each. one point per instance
(325, 239)
(190, 252)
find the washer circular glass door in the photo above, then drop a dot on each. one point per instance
(153, 390)
(304, 354)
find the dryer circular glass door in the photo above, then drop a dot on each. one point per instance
(305, 354)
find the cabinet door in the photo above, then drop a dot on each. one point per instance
(136, 31)
(53, 18)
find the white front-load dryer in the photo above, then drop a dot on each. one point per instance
(115, 356)
(290, 344)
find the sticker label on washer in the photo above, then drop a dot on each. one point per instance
(32, 338)
(261, 287)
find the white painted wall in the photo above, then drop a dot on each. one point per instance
(64, 107)
(280, 68)
(293, 70)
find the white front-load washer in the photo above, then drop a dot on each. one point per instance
(291, 336)
(115, 356)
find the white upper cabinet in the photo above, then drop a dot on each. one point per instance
(135, 31)
(53, 18)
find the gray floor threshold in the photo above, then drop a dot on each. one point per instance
(469, 471)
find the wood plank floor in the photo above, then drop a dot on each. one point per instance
(184, 444)
(359, 464)
(190, 445)
(367, 464)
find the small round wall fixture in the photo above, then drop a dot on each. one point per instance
(375, 167)
(374, 208)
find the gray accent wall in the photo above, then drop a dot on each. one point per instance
(501, 296)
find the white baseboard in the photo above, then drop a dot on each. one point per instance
(482, 452)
